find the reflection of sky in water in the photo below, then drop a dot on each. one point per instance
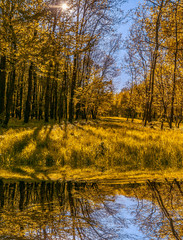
(126, 211)
(121, 222)
(90, 211)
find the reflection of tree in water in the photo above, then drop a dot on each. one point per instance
(74, 210)
(162, 215)
(53, 210)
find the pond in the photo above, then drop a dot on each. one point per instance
(91, 210)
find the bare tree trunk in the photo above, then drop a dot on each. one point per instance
(2, 83)
(52, 101)
(29, 95)
(21, 98)
(61, 110)
(65, 90)
(56, 101)
(174, 72)
(34, 100)
(153, 64)
(9, 95)
(47, 95)
(73, 85)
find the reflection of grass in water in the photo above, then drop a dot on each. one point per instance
(101, 145)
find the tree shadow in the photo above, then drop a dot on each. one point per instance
(18, 146)
(24, 173)
(40, 145)
(33, 159)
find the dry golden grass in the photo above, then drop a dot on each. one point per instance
(101, 148)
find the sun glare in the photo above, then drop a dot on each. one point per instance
(64, 6)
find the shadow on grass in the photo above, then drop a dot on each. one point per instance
(34, 157)
(114, 127)
(117, 124)
(20, 145)
(37, 171)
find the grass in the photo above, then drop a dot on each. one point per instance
(108, 148)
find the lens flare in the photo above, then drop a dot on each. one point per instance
(64, 6)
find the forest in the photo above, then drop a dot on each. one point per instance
(58, 105)
(57, 59)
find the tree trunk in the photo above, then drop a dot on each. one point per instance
(52, 101)
(28, 101)
(41, 95)
(153, 64)
(61, 110)
(9, 96)
(47, 96)
(73, 84)
(174, 72)
(17, 102)
(56, 101)
(13, 106)
(34, 101)
(21, 98)
(94, 114)
(65, 90)
(2, 83)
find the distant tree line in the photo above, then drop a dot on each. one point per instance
(56, 63)
(154, 64)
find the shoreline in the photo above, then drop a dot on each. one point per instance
(108, 177)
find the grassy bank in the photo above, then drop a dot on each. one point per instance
(111, 176)
(100, 148)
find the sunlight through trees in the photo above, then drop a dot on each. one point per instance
(49, 51)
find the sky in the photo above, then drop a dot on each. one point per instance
(120, 81)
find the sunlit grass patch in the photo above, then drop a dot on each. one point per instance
(103, 145)
(28, 150)
(12, 143)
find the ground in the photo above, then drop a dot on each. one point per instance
(107, 149)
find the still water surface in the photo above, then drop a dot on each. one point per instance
(90, 210)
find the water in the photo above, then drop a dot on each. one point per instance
(90, 210)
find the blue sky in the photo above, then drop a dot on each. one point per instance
(119, 82)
